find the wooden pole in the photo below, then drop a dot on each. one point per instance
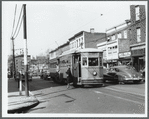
(25, 53)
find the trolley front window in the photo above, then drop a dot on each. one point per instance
(93, 61)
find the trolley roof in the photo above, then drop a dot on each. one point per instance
(80, 51)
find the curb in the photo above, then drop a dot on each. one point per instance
(22, 109)
(25, 107)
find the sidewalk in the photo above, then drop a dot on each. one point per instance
(19, 103)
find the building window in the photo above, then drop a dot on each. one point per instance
(75, 44)
(79, 42)
(137, 13)
(119, 35)
(113, 37)
(70, 47)
(108, 38)
(130, 34)
(138, 35)
(125, 34)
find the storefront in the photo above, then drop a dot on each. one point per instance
(124, 58)
(112, 53)
(138, 57)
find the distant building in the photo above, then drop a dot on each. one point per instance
(41, 62)
(19, 63)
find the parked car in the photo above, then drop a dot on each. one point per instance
(17, 76)
(29, 77)
(143, 71)
(9, 74)
(122, 74)
(45, 75)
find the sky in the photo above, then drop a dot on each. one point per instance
(52, 23)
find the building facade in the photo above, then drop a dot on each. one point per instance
(19, 63)
(116, 48)
(138, 36)
(126, 42)
(85, 39)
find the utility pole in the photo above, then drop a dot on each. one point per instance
(14, 71)
(25, 52)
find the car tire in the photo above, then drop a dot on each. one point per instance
(137, 81)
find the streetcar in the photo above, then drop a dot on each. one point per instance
(86, 67)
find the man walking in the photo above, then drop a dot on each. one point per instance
(68, 72)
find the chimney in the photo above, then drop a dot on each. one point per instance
(92, 30)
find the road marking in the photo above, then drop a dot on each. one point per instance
(123, 91)
(118, 97)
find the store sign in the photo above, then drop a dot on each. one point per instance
(93, 54)
(138, 52)
(125, 54)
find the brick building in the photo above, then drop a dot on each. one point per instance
(126, 42)
(138, 35)
(85, 39)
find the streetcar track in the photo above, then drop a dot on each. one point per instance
(124, 91)
(118, 97)
(121, 95)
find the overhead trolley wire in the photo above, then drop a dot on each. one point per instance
(18, 22)
(19, 28)
(83, 25)
(14, 20)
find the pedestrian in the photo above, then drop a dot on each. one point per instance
(68, 72)
(18, 76)
(57, 71)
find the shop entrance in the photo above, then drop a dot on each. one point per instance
(138, 63)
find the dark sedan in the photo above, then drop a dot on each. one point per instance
(122, 74)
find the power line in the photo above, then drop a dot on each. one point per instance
(14, 19)
(18, 22)
(19, 28)
(82, 25)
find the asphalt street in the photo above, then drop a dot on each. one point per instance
(110, 99)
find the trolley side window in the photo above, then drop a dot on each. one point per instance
(84, 61)
(93, 61)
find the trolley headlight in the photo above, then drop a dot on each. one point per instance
(94, 73)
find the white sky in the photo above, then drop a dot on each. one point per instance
(52, 21)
